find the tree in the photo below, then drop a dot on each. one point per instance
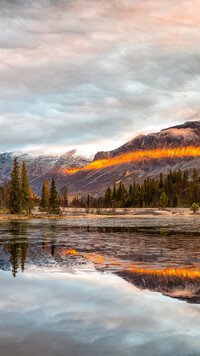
(119, 192)
(64, 197)
(195, 175)
(163, 200)
(185, 178)
(88, 201)
(24, 188)
(14, 201)
(30, 193)
(43, 200)
(53, 199)
(47, 190)
(114, 193)
(194, 207)
(31, 200)
(161, 181)
(108, 197)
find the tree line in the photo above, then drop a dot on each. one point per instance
(176, 189)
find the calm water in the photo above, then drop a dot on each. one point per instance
(107, 286)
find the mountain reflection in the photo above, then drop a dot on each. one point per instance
(154, 258)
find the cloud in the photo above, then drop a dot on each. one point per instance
(91, 313)
(84, 71)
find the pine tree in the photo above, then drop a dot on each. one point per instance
(114, 193)
(161, 181)
(185, 177)
(88, 201)
(31, 200)
(15, 191)
(43, 200)
(195, 175)
(53, 199)
(194, 207)
(64, 197)
(24, 188)
(47, 190)
(119, 192)
(30, 193)
(123, 196)
(163, 200)
(108, 197)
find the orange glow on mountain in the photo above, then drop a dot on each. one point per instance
(137, 156)
(70, 170)
(189, 151)
(69, 252)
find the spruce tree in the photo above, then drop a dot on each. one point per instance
(65, 198)
(31, 200)
(114, 194)
(53, 199)
(47, 190)
(24, 188)
(163, 200)
(161, 181)
(88, 201)
(185, 177)
(108, 197)
(195, 175)
(119, 192)
(43, 200)
(15, 191)
(194, 207)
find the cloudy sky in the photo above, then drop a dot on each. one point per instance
(94, 73)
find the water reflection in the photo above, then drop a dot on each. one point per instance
(154, 258)
(70, 294)
(17, 246)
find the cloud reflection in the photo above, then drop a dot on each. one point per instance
(91, 314)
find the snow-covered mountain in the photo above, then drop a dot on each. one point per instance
(42, 165)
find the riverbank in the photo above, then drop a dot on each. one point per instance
(102, 213)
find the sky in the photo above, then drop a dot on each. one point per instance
(93, 74)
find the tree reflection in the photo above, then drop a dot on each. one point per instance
(18, 246)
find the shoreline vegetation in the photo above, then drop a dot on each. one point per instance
(69, 213)
(176, 194)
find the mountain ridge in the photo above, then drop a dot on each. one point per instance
(63, 167)
(178, 136)
(151, 140)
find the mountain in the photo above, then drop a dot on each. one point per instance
(115, 165)
(143, 156)
(42, 166)
(187, 134)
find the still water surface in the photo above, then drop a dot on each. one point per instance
(108, 286)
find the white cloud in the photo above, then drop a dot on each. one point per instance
(82, 72)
